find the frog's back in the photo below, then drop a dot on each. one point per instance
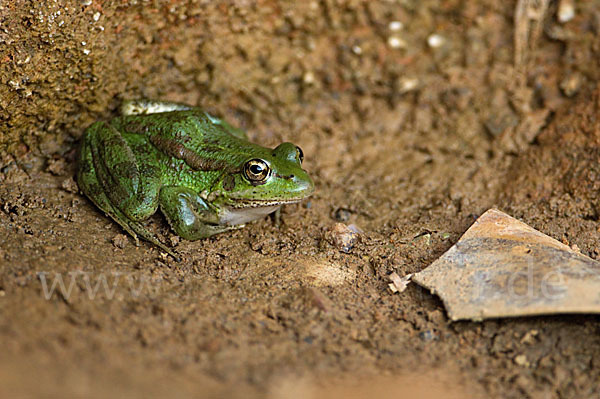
(191, 147)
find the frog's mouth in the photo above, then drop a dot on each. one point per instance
(257, 203)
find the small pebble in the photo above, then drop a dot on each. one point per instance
(344, 237)
(120, 241)
(398, 284)
(396, 42)
(566, 11)
(174, 240)
(571, 84)
(407, 84)
(521, 360)
(435, 40)
(395, 26)
(57, 166)
(309, 78)
(69, 185)
(529, 337)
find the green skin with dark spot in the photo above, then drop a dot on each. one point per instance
(190, 164)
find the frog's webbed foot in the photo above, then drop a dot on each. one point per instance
(149, 236)
(188, 214)
(136, 228)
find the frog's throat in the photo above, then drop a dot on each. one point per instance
(235, 216)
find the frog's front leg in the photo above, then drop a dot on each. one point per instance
(188, 214)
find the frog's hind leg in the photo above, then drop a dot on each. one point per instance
(91, 187)
(87, 179)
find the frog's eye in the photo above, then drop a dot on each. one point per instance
(299, 154)
(257, 171)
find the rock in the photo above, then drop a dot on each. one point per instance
(344, 237)
(57, 167)
(571, 83)
(502, 267)
(69, 185)
(397, 283)
(120, 241)
(566, 11)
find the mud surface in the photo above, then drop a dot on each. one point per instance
(408, 136)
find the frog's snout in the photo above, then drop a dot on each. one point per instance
(303, 184)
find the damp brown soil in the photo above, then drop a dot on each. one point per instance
(408, 136)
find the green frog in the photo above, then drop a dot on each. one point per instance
(203, 173)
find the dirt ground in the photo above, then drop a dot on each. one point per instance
(414, 116)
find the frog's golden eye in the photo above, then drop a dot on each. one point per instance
(299, 154)
(257, 171)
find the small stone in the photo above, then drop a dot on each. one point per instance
(396, 42)
(566, 11)
(309, 78)
(96, 16)
(395, 26)
(435, 40)
(174, 240)
(344, 237)
(571, 84)
(2, 293)
(69, 185)
(406, 84)
(120, 241)
(521, 360)
(357, 50)
(57, 167)
(529, 337)
(398, 284)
